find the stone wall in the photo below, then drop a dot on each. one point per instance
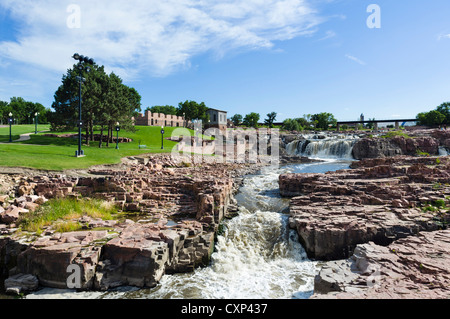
(159, 119)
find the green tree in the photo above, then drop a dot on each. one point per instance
(431, 118)
(166, 109)
(105, 101)
(370, 126)
(193, 111)
(292, 125)
(237, 119)
(270, 119)
(323, 120)
(444, 109)
(4, 111)
(251, 120)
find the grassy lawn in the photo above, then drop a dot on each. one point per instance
(18, 130)
(50, 153)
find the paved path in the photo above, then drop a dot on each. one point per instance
(25, 137)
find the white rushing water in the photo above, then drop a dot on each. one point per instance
(443, 151)
(323, 146)
(257, 257)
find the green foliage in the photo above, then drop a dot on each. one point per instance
(422, 153)
(166, 109)
(431, 118)
(393, 134)
(444, 109)
(251, 120)
(105, 101)
(23, 111)
(65, 210)
(270, 119)
(237, 119)
(193, 111)
(323, 120)
(292, 125)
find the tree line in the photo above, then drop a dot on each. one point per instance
(191, 110)
(23, 112)
(438, 116)
(316, 121)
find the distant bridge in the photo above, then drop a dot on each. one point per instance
(375, 123)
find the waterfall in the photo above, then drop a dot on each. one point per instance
(443, 151)
(322, 146)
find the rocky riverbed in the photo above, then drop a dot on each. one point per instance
(386, 214)
(175, 209)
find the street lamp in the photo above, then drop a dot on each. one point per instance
(81, 67)
(10, 121)
(117, 139)
(162, 137)
(35, 122)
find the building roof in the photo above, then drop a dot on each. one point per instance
(210, 109)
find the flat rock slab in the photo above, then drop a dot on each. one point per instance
(381, 200)
(416, 267)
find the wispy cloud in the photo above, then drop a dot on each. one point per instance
(355, 59)
(443, 36)
(328, 35)
(150, 37)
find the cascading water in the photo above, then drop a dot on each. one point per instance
(321, 146)
(257, 256)
(443, 151)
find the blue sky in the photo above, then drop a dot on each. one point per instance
(293, 57)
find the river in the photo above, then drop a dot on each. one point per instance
(256, 257)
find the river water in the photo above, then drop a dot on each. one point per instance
(257, 256)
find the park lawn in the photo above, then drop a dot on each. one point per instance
(17, 130)
(58, 154)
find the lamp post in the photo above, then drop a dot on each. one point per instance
(162, 137)
(10, 121)
(35, 122)
(117, 138)
(81, 67)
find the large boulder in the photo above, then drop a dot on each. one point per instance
(398, 145)
(416, 267)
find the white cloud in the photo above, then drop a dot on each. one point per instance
(443, 36)
(351, 57)
(154, 37)
(328, 35)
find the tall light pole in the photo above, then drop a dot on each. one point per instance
(10, 121)
(35, 122)
(81, 67)
(162, 137)
(118, 130)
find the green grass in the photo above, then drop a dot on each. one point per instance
(63, 214)
(394, 134)
(17, 130)
(51, 153)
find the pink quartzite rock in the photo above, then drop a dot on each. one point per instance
(380, 202)
(416, 267)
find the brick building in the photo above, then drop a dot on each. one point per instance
(159, 119)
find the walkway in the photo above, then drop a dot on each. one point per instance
(25, 137)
